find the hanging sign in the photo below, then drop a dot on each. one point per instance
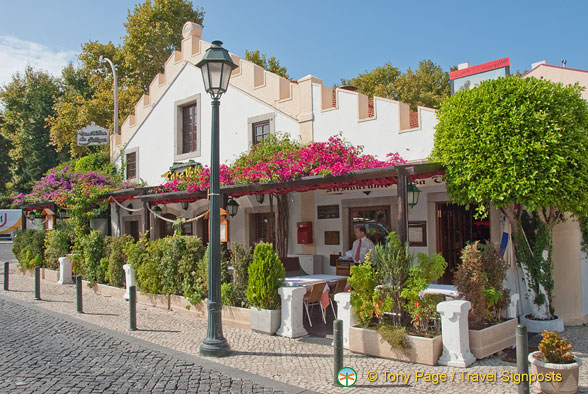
(435, 180)
(93, 135)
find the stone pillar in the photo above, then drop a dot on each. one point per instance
(345, 313)
(65, 271)
(291, 325)
(129, 278)
(456, 336)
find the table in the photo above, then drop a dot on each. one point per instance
(309, 280)
(445, 290)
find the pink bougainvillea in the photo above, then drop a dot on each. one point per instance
(334, 157)
(58, 186)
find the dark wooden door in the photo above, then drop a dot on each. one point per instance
(455, 228)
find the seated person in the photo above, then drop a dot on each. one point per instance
(361, 246)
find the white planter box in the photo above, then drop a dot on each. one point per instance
(569, 373)
(266, 321)
(422, 350)
(490, 340)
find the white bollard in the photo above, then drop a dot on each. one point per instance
(345, 313)
(456, 336)
(129, 279)
(291, 325)
(65, 271)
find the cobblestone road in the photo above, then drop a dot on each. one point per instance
(41, 352)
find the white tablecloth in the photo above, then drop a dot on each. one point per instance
(446, 290)
(309, 280)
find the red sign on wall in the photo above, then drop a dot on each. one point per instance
(480, 68)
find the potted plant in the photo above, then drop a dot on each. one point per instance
(266, 276)
(555, 360)
(479, 279)
(382, 296)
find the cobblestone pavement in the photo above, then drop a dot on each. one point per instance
(297, 362)
(45, 353)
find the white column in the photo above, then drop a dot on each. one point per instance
(345, 313)
(456, 336)
(64, 271)
(291, 325)
(129, 278)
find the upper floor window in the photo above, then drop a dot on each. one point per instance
(189, 129)
(261, 130)
(131, 165)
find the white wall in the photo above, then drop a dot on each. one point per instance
(155, 137)
(379, 136)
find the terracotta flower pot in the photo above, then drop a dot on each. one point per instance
(569, 375)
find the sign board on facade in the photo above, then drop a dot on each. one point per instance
(435, 180)
(470, 77)
(331, 237)
(93, 135)
(328, 211)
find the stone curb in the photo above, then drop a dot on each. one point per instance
(232, 372)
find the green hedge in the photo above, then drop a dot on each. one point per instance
(29, 248)
(57, 244)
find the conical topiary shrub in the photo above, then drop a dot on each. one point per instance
(266, 275)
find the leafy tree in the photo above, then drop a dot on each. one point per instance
(28, 100)
(377, 82)
(270, 64)
(5, 163)
(518, 145)
(154, 30)
(428, 85)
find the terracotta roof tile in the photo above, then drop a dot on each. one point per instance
(371, 111)
(334, 99)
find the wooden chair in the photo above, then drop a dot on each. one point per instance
(314, 298)
(339, 288)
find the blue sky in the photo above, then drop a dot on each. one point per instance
(329, 39)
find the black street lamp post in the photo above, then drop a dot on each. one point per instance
(216, 66)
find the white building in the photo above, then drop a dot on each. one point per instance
(172, 124)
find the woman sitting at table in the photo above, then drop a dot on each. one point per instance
(361, 246)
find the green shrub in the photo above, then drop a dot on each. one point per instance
(266, 275)
(96, 162)
(116, 259)
(241, 258)
(173, 251)
(93, 264)
(367, 301)
(190, 268)
(423, 309)
(149, 277)
(227, 294)
(29, 248)
(57, 244)
(395, 336)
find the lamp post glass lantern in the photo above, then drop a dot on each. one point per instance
(260, 197)
(216, 66)
(232, 207)
(413, 194)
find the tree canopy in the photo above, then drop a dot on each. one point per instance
(516, 140)
(153, 31)
(269, 63)
(28, 100)
(427, 86)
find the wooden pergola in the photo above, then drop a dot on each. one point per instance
(385, 176)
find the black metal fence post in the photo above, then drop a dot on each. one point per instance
(338, 341)
(133, 308)
(79, 301)
(522, 354)
(6, 275)
(37, 283)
